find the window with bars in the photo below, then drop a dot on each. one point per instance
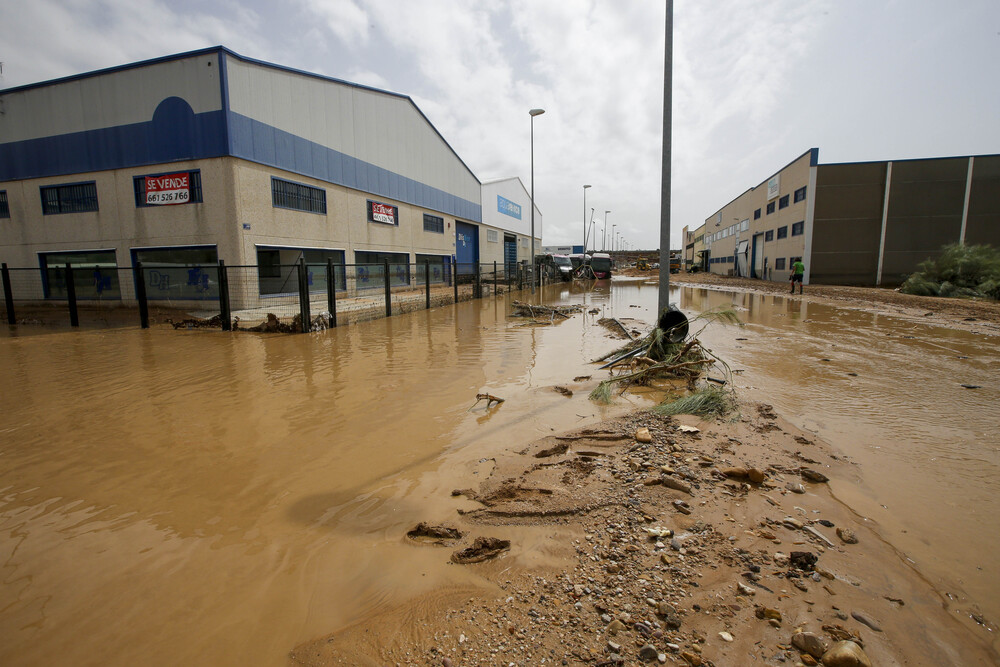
(71, 198)
(756, 214)
(492, 236)
(798, 228)
(769, 235)
(433, 223)
(800, 194)
(296, 196)
(779, 264)
(4, 206)
(783, 202)
(193, 189)
(782, 232)
(770, 208)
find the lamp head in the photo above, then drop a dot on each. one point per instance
(536, 112)
(585, 187)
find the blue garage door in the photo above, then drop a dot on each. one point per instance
(466, 247)
(509, 252)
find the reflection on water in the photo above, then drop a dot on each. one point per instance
(166, 495)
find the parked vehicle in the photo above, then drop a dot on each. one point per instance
(600, 262)
(555, 267)
(642, 264)
(675, 264)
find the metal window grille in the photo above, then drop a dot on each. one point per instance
(779, 264)
(800, 194)
(4, 206)
(492, 236)
(194, 188)
(756, 214)
(433, 223)
(286, 194)
(798, 228)
(783, 202)
(74, 198)
(769, 235)
(782, 232)
(770, 208)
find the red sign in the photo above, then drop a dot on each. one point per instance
(383, 213)
(168, 189)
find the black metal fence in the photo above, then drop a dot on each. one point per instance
(298, 297)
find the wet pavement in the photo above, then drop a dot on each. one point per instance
(193, 496)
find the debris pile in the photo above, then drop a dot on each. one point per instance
(542, 315)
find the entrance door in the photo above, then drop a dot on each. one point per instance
(758, 256)
(509, 253)
(466, 247)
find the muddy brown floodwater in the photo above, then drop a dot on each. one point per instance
(195, 497)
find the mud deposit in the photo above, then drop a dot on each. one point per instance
(193, 497)
(725, 572)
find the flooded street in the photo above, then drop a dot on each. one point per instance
(196, 497)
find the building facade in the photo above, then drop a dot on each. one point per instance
(861, 223)
(208, 155)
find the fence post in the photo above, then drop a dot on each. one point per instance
(454, 280)
(477, 289)
(74, 317)
(8, 295)
(331, 291)
(139, 280)
(388, 290)
(427, 282)
(225, 310)
(304, 297)
(494, 277)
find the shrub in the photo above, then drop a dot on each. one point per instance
(960, 271)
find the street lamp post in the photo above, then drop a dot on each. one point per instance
(534, 271)
(613, 237)
(604, 231)
(585, 217)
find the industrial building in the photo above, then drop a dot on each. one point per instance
(855, 223)
(208, 155)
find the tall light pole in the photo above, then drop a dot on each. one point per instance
(613, 237)
(585, 217)
(604, 231)
(663, 297)
(592, 237)
(534, 271)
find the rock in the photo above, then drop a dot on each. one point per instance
(614, 627)
(808, 660)
(866, 620)
(446, 662)
(803, 560)
(682, 507)
(439, 534)
(795, 487)
(847, 535)
(845, 654)
(810, 643)
(768, 613)
(614, 648)
(643, 435)
(737, 473)
(482, 549)
(780, 559)
(673, 483)
(648, 653)
(692, 659)
(726, 637)
(792, 524)
(743, 589)
(814, 476)
(756, 476)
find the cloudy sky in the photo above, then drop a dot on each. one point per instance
(755, 83)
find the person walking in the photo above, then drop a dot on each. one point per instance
(798, 268)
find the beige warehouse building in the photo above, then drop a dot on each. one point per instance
(205, 156)
(859, 223)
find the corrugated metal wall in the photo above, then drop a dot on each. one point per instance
(375, 128)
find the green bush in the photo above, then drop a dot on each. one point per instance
(960, 271)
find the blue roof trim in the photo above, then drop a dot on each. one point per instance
(258, 142)
(175, 133)
(223, 52)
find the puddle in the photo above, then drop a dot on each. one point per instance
(164, 495)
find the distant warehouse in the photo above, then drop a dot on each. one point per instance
(208, 155)
(854, 223)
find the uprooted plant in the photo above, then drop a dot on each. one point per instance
(659, 355)
(708, 403)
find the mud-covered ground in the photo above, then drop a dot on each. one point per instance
(980, 315)
(716, 543)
